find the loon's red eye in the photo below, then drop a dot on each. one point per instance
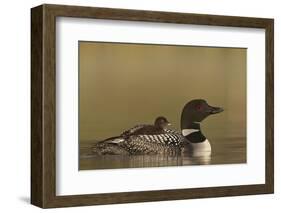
(199, 107)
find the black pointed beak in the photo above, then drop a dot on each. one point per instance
(215, 110)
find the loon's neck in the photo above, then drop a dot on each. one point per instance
(192, 132)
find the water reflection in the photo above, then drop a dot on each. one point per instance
(119, 161)
(223, 152)
(192, 158)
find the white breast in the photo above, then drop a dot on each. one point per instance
(201, 149)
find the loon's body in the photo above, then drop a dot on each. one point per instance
(141, 139)
(141, 144)
(145, 139)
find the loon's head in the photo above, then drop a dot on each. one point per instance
(161, 122)
(196, 111)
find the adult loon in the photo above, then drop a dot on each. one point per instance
(194, 112)
(169, 141)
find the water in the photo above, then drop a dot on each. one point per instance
(224, 151)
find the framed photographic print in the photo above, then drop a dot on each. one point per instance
(135, 106)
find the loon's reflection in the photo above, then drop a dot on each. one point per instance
(196, 157)
(159, 160)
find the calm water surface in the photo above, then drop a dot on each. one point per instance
(230, 151)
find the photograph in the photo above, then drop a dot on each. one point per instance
(169, 105)
(155, 105)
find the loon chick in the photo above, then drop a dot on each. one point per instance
(160, 124)
(170, 141)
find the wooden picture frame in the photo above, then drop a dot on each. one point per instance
(43, 105)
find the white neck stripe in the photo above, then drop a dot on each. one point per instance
(186, 132)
